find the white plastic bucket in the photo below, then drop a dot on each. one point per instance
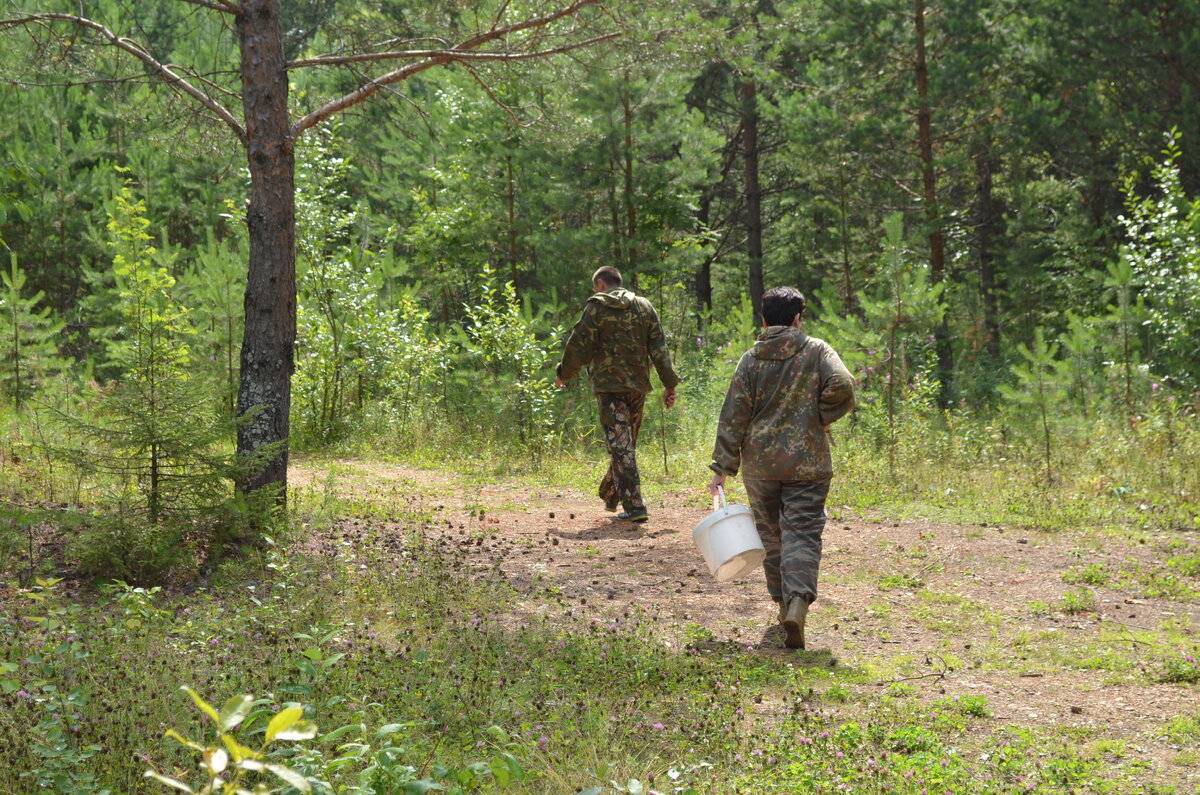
(728, 540)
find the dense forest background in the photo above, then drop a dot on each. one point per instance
(991, 206)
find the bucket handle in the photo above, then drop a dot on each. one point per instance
(718, 505)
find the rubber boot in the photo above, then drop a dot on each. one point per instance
(793, 622)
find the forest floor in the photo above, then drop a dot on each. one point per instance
(1058, 631)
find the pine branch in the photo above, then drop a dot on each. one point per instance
(464, 52)
(163, 71)
(224, 6)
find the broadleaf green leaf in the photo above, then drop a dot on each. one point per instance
(283, 721)
(204, 706)
(300, 730)
(235, 711)
(291, 777)
(173, 783)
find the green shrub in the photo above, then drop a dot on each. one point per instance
(126, 546)
(1183, 669)
(1092, 574)
(1081, 601)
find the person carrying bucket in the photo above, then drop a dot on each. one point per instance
(774, 427)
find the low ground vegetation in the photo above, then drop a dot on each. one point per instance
(414, 625)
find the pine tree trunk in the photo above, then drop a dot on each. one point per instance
(268, 347)
(754, 251)
(511, 201)
(937, 249)
(703, 284)
(986, 224)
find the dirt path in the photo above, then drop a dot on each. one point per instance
(935, 610)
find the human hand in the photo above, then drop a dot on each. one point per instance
(669, 396)
(717, 482)
(558, 382)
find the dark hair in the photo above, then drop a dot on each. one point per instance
(781, 304)
(609, 275)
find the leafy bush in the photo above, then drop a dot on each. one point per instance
(504, 337)
(125, 545)
(1165, 253)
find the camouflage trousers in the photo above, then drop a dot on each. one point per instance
(621, 419)
(790, 517)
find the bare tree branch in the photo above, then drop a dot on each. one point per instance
(499, 13)
(492, 95)
(224, 6)
(516, 27)
(214, 86)
(434, 58)
(452, 54)
(163, 72)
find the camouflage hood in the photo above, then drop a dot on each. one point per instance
(779, 343)
(783, 396)
(616, 298)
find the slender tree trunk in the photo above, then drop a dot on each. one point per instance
(511, 198)
(986, 230)
(704, 274)
(937, 251)
(844, 232)
(631, 221)
(614, 209)
(754, 250)
(16, 350)
(268, 347)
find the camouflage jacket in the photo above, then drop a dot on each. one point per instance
(616, 339)
(784, 390)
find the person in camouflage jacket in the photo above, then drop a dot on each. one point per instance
(617, 339)
(774, 427)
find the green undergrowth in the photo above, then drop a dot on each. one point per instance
(411, 671)
(1106, 472)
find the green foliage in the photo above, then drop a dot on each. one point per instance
(1041, 389)
(215, 288)
(157, 428)
(30, 352)
(1182, 668)
(1164, 251)
(519, 388)
(364, 349)
(230, 767)
(907, 581)
(1080, 601)
(124, 544)
(1092, 574)
(155, 439)
(888, 343)
(1126, 316)
(61, 760)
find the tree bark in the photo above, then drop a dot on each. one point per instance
(754, 250)
(937, 250)
(268, 346)
(511, 200)
(703, 284)
(985, 227)
(631, 219)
